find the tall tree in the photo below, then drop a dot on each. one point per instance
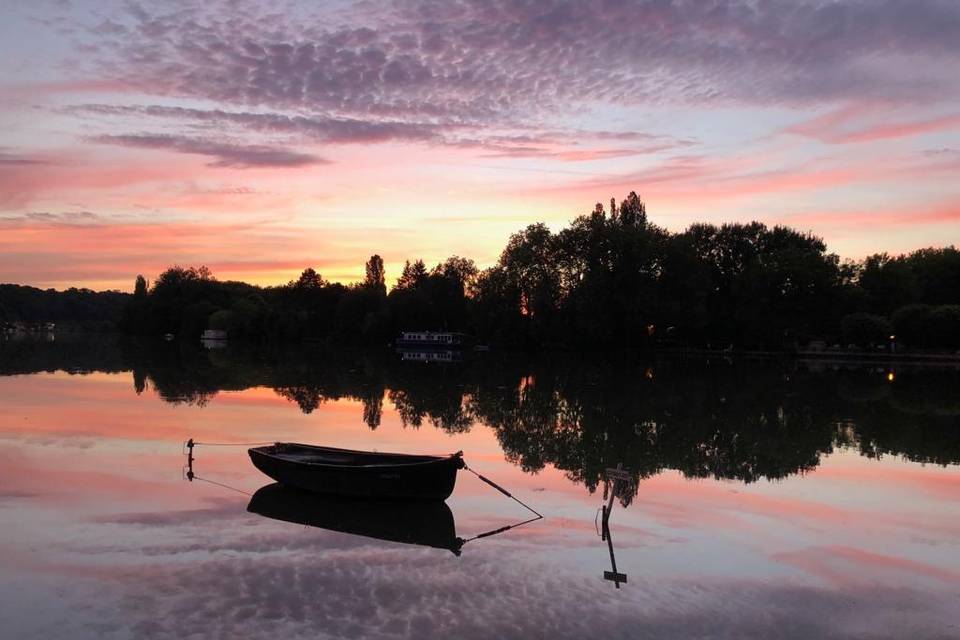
(140, 287)
(376, 276)
(413, 275)
(460, 271)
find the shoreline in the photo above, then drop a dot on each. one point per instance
(822, 356)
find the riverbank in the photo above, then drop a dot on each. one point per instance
(822, 356)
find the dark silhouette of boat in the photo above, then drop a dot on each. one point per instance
(429, 524)
(359, 473)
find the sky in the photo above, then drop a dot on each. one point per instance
(263, 138)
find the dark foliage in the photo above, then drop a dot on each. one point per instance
(79, 309)
(610, 278)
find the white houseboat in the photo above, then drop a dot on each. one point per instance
(432, 339)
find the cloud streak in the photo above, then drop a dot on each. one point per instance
(846, 125)
(8, 158)
(223, 154)
(319, 127)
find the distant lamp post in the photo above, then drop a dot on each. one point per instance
(893, 343)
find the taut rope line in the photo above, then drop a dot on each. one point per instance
(505, 492)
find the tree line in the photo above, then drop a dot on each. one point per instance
(79, 309)
(609, 278)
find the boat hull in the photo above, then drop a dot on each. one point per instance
(390, 477)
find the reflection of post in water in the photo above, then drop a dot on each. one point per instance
(615, 480)
(188, 473)
(612, 575)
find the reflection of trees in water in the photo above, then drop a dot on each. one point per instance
(442, 412)
(916, 416)
(84, 354)
(373, 409)
(705, 419)
(139, 380)
(435, 392)
(307, 398)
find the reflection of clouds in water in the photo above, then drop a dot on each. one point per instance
(219, 572)
(392, 591)
(849, 565)
(53, 440)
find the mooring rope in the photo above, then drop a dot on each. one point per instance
(220, 484)
(191, 443)
(504, 492)
(232, 444)
(487, 534)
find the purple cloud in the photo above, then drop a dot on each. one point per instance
(502, 61)
(573, 145)
(46, 217)
(8, 158)
(224, 154)
(478, 73)
(320, 128)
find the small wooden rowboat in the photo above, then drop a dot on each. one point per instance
(359, 473)
(420, 522)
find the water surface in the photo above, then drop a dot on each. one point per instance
(765, 499)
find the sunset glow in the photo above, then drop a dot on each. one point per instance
(262, 139)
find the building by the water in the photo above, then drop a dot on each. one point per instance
(435, 339)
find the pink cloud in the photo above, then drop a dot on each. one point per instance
(935, 213)
(851, 124)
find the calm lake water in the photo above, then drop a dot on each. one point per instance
(766, 500)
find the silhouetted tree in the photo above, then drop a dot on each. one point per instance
(375, 278)
(609, 278)
(309, 279)
(413, 275)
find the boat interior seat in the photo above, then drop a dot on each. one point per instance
(349, 459)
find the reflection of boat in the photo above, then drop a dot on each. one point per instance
(359, 473)
(428, 524)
